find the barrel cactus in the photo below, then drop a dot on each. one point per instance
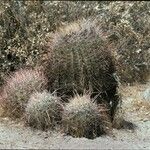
(83, 118)
(44, 110)
(18, 88)
(79, 59)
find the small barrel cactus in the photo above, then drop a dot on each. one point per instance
(44, 110)
(18, 88)
(83, 118)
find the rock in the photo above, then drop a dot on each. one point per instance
(146, 94)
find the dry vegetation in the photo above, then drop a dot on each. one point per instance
(24, 26)
(83, 56)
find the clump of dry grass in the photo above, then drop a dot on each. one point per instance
(82, 118)
(44, 110)
(18, 88)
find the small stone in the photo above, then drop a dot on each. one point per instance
(146, 94)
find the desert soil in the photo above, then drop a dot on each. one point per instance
(14, 135)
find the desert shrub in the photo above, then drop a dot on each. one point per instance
(128, 26)
(18, 88)
(44, 110)
(82, 118)
(132, 58)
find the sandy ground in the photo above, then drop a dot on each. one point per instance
(17, 136)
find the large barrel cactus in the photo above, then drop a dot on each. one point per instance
(79, 59)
